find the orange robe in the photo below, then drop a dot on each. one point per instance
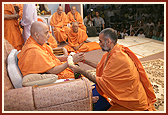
(20, 14)
(125, 81)
(75, 39)
(58, 21)
(51, 40)
(11, 29)
(78, 18)
(35, 58)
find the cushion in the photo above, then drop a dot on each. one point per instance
(39, 79)
(13, 70)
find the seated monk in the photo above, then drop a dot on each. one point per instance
(120, 77)
(35, 57)
(74, 16)
(53, 43)
(59, 23)
(76, 39)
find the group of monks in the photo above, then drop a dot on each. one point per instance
(70, 28)
(63, 28)
(120, 77)
(60, 22)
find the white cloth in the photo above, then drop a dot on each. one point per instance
(89, 24)
(62, 80)
(123, 35)
(141, 35)
(29, 16)
(150, 24)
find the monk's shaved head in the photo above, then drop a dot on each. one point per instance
(75, 23)
(73, 7)
(73, 10)
(75, 26)
(37, 27)
(59, 10)
(109, 33)
(40, 32)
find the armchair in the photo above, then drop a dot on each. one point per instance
(74, 95)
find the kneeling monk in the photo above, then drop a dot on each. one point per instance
(120, 76)
(35, 57)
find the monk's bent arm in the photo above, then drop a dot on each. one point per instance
(79, 46)
(90, 63)
(58, 69)
(13, 16)
(62, 58)
(88, 75)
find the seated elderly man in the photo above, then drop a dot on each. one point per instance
(53, 43)
(59, 23)
(36, 57)
(76, 39)
(74, 16)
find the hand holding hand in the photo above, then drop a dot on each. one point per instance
(78, 57)
(74, 68)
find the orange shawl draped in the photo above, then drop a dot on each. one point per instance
(124, 80)
(20, 14)
(11, 29)
(57, 21)
(51, 40)
(78, 18)
(35, 58)
(75, 39)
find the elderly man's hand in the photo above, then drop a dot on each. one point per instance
(78, 57)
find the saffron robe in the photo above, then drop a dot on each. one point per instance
(75, 39)
(78, 18)
(124, 80)
(11, 29)
(57, 21)
(35, 59)
(51, 40)
(20, 14)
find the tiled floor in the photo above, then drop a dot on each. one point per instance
(145, 49)
(142, 47)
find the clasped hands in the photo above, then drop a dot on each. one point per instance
(78, 57)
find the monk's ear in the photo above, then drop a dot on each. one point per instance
(109, 40)
(36, 35)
